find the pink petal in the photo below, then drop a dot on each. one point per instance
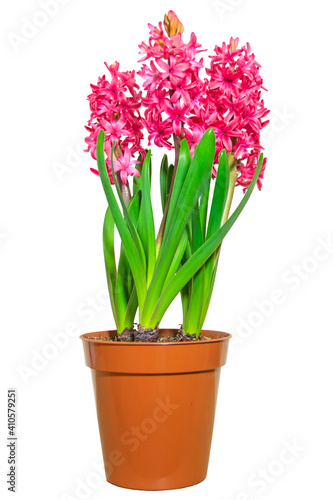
(94, 171)
(163, 65)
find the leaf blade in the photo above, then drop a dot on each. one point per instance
(194, 263)
(129, 222)
(126, 237)
(110, 260)
(164, 180)
(189, 192)
(148, 215)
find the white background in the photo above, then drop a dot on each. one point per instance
(276, 389)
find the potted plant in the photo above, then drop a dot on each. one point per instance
(156, 388)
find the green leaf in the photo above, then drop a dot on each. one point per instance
(130, 225)
(134, 207)
(197, 234)
(216, 211)
(177, 258)
(192, 317)
(203, 208)
(169, 179)
(186, 291)
(147, 210)
(131, 309)
(201, 255)
(181, 175)
(122, 287)
(207, 298)
(137, 180)
(108, 243)
(183, 199)
(190, 189)
(219, 196)
(110, 260)
(124, 232)
(164, 180)
(124, 283)
(133, 210)
(166, 174)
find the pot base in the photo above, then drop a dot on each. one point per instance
(156, 489)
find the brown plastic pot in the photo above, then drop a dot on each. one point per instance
(155, 407)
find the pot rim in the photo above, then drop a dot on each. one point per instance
(226, 336)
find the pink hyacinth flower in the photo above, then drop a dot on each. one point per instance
(174, 71)
(123, 165)
(115, 108)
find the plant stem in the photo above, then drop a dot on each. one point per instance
(207, 294)
(124, 188)
(232, 183)
(177, 142)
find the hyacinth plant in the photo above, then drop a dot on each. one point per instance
(213, 125)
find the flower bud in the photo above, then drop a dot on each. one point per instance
(172, 24)
(233, 44)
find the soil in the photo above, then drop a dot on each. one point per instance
(150, 335)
